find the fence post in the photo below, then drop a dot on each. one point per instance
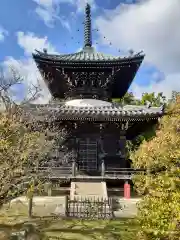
(66, 206)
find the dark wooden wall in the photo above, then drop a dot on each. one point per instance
(110, 143)
(110, 140)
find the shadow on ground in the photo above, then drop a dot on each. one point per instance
(121, 229)
(15, 219)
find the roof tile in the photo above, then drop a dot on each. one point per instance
(118, 113)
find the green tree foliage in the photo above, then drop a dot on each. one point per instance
(147, 135)
(174, 96)
(155, 100)
(19, 148)
(159, 210)
(127, 99)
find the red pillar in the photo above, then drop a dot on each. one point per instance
(127, 190)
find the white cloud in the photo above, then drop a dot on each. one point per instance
(151, 26)
(26, 66)
(30, 75)
(167, 85)
(3, 34)
(65, 23)
(29, 42)
(80, 4)
(48, 10)
(46, 15)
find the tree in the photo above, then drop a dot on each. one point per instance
(153, 99)
(174, 96)
(159, 210)
(10, 81)
(25, 143)
(21, 143)
(19, 147)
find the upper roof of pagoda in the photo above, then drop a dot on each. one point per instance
(88, 54)
(87, 73)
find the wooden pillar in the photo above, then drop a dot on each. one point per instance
(102, 153)
(66, 209)
(127, 190)
(49, 191)
(122, 143)
(77, 155)
(74, 169)
(102, 168)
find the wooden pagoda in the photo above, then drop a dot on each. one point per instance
(96, 129)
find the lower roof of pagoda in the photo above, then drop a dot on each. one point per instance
(90, 110)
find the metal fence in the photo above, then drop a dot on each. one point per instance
(89, 208)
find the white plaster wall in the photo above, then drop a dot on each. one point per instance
(87, 103)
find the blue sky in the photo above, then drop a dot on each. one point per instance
(59, 22)
(20, 15)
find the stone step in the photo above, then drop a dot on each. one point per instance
(88, 189)
(89, 197)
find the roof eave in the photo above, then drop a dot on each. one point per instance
(97, 118)
(49, 58)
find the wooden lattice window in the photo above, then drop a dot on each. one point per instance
(87, 157)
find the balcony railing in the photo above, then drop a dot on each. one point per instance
(122, 173)
(72, 172)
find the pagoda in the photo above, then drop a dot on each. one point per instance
(83, 85)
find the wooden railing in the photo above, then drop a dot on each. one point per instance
(52, 171)
(124, 170)
(105, 170)
(72, 171)
(119, 172)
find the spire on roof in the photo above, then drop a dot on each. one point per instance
(87, 27)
